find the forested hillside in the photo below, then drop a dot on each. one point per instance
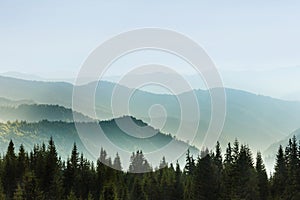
(65, 134)
(38, 112)
(255, 119)
(40, 174)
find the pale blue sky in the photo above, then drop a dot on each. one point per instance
(47, 36)
(53, 38)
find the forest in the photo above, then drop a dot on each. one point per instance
(234, 174)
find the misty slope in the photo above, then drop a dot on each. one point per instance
(254, 119)
(30, 134)
(35, 113)
(65, 134)
(273, 148)
(271, 151)
(38, 91)
(13, 103)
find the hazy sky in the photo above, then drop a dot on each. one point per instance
(48, 36)
(53, 38)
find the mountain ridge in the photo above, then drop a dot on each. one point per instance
(257, 120)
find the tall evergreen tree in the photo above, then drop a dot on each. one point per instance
(9, 180)
(137, 191)
(117, 163)
(280, 174)
(263, 185)
(189, 163)
(246, 185)
(293, 169)
(205, 180)
(21, 163)
(138, 163)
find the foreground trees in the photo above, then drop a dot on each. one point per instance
(42, 175)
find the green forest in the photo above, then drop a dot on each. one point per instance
(233, 174)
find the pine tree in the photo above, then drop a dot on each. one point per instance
(21, 163)
(189, 163)
(228, 156)
(10, 171)
(52, 182)
(235, 150)
(117, 163)
(188, 191)
(228, 175)
(167, 183)
(151, 186)
(263, 186)
(246, 185)
(280, 175)
(218, 168)
(218, 157)
(71, 171)
(31, 188)
(293, 169)
(178, 193)
(205, 180)
(138, 163)
(137, 192)
(163, 163)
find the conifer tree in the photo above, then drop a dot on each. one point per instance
(178, 182)
(246, 185)
(9, 180)
(137, 191)
(117, 163)
(189, 163)
(280, 174)
(262, 178)
(205, 181)
(293, 169)
(21, 163)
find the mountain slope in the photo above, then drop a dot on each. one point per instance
(35, 113)
(273, 148)
(271, 151)
(13, 103)
(254, 119)
(65, 134)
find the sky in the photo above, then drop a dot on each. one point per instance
(52, 39)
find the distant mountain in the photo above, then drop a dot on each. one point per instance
(38, 91)
(271, 151)
(13, 103)
(65, 134)
(281, 82)
(24, 76)
(253, 119)
(259, 81)
(273, 148)
(35, 113)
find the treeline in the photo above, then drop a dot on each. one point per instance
(41, 174)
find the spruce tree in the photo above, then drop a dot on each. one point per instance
(117, 163)
(189, 163)
(9, 179)
(262, 178)
(137, 191)
(205, 180)
(280, 175)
